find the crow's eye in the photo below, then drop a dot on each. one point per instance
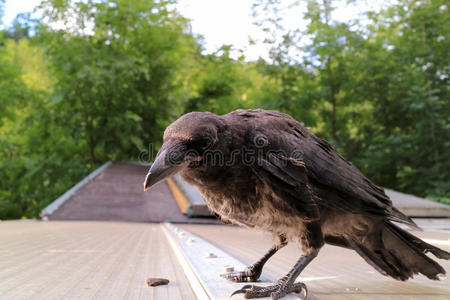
(202, 144)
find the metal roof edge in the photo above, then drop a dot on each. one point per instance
(203, 263)
(135, 162)
(189, 272)
(393, 194)
(49, 209)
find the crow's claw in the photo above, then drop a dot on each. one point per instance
(242, 290)
(274, 291)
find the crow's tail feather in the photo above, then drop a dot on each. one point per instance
(399, 254)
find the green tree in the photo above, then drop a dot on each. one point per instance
(289, 85)
(379, 91)
(22, 134)
(219, 83)
(409, 72)
(20, 27)
(115, 66)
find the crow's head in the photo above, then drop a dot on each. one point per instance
(185, 142)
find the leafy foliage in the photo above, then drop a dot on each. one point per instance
(379, 91)
(115, 68)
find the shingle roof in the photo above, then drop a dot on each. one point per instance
(116, 194)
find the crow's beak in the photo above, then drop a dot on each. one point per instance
(160, 169)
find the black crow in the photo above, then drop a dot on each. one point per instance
(264, 170)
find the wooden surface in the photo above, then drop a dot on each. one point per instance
(87, 260)
(112, 260)
(336, 273)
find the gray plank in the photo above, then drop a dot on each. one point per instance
(87, 260)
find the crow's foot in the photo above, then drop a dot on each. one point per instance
(275, 291)
(250, 274)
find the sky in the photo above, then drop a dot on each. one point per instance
(13, 7)
(231, 22)
(223, 22)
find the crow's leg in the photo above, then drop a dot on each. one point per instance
(252, 273)
(284, 286)
(310, 246)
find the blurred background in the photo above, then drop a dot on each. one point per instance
(85, 82)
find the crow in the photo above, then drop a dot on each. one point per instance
(264, 170)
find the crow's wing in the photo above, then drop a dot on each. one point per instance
(337, 183)
(341, 185)
(288, 180)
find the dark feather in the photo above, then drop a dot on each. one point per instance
(287, 177)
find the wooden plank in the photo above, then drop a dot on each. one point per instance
(87, 260)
